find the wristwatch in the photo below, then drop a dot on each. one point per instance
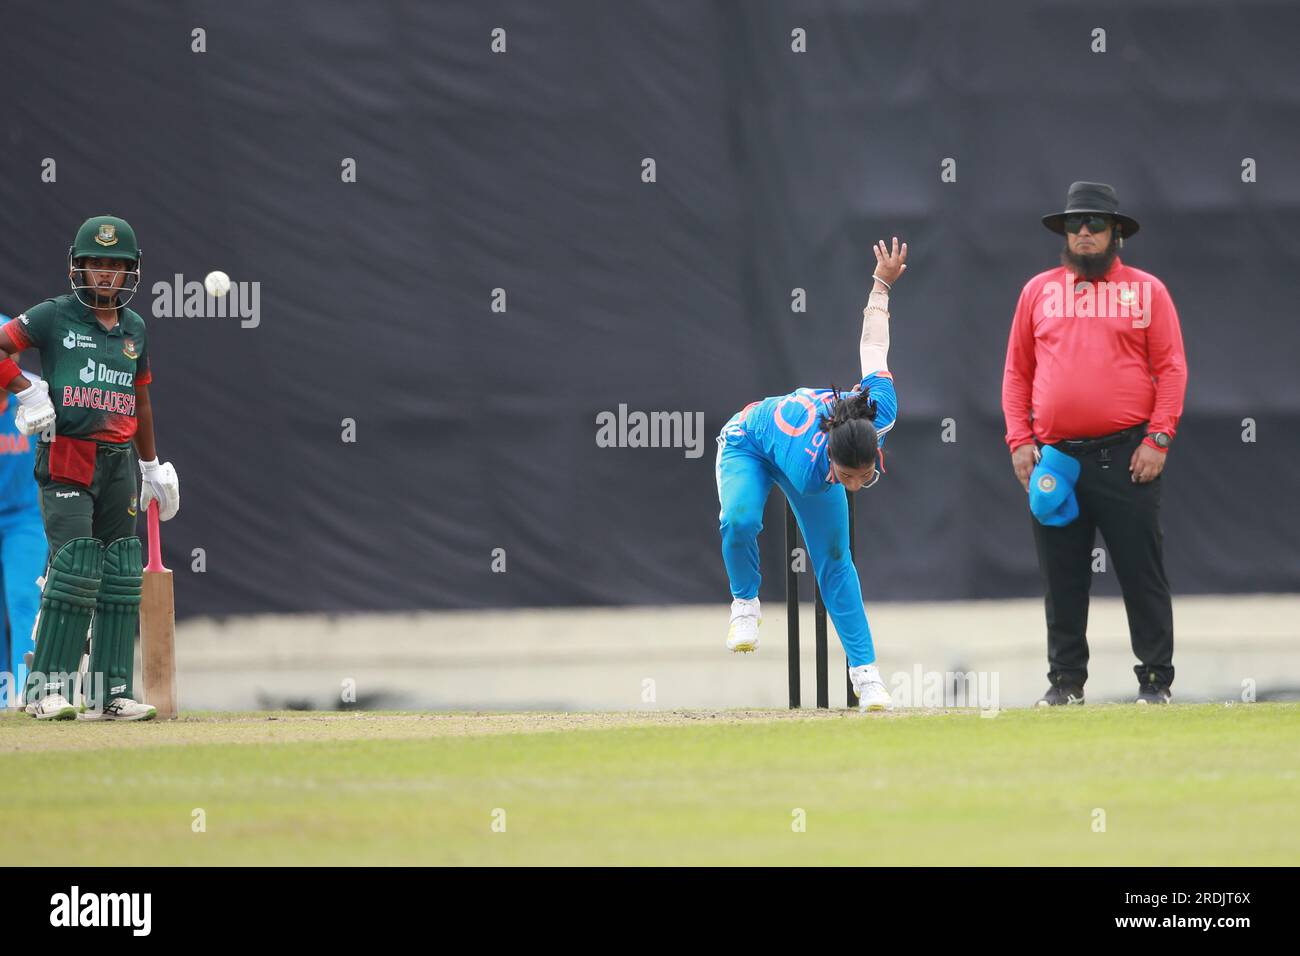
(1160, 438)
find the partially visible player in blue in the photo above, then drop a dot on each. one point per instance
(23, 548)
(816, 443)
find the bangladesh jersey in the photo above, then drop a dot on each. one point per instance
(783, 429)
(92, 371)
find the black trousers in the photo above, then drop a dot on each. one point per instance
(1128, 516)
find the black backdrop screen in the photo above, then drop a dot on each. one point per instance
(521, 171)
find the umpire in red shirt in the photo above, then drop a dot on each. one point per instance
(1095, 368)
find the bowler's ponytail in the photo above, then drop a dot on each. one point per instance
(851, 429)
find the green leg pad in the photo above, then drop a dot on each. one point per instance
(67, 605)
(117, 619)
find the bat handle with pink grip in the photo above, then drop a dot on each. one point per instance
(155, 540)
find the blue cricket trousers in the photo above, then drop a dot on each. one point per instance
(23, 552)
(745, 479)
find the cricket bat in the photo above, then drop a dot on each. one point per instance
(158, 627)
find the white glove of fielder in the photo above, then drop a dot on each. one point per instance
(160, 482)
(35, 410)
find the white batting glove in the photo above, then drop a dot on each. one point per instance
(35, 410)
(160, 482)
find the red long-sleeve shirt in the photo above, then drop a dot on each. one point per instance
(1088, 359)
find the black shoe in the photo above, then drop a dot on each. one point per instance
(1153, 694)
(1058, 696)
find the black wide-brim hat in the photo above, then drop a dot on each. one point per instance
(1097, 198)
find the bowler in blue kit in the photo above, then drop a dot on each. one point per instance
(816, 444)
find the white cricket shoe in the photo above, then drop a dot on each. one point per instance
(742, 636)
(870, 689)
(52, 707)
(121, 708)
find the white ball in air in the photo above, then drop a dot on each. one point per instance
(217, 284)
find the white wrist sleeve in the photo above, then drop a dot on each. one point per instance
(874, 347)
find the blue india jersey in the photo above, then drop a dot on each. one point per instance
(784, 430)
(18, 491)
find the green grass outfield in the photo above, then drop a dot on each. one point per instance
(1185, 784)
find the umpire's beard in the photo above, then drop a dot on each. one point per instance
(1089, 268)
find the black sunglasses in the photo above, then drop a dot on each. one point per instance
(1094, 223)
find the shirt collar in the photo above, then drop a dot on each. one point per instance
(88, 317)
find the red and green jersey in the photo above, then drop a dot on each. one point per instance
(92, 371)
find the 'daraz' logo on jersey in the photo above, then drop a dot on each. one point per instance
(128, 349)
(107, 235)
(70, 340)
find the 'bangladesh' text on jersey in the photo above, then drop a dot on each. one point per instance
(92, 371)
(784, 430)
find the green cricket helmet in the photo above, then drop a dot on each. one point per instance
(104, 237)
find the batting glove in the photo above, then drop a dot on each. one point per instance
(161, 483)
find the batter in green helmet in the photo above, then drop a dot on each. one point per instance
(94, 418)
